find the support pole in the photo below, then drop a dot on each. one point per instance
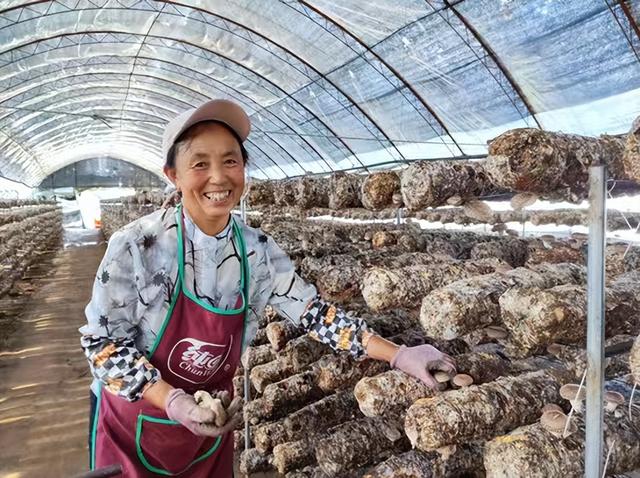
(247, 383)
(595, 321)
(243, 209)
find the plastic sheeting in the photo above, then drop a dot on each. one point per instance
(330, 85)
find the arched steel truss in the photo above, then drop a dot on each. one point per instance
(97, 78)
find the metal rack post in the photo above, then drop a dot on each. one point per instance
(595, 321)
(247, 384)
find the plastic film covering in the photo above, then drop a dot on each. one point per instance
(329, 85)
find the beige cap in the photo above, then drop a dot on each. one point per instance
(225, 111)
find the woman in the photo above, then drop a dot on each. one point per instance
(176, 300)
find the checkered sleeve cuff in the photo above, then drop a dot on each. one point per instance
(119, 365)
(332, 326)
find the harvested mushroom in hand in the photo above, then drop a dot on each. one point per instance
(205, 400)
(422, 361)
(220, 402)
(462, 380)
(442, 377)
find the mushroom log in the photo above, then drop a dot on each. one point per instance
(469, 304)
(481, 411)
(536, 452)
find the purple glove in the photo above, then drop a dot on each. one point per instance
(418, 361)
(182, 408)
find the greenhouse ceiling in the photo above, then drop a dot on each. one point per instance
(329, 84)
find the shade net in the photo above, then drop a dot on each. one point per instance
(329, 85)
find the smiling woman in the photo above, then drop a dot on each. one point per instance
(169, 317)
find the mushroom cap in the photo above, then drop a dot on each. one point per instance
(462, 380)
(572, 391)
(613, 397)
(522, 200)
(441, 377)
(554, 349)
(574, 243)
(554, 421)
(455, 200)
(549, 407)
(495, 332)
(396, 199)
(479, 210)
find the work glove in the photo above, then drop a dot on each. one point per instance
(182, 408)
(421, 360)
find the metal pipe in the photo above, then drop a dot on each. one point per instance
(247, 397)
(247, 384)
(595, 321)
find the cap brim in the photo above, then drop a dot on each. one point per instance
(225, 111)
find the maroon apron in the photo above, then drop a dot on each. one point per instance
(197, 348)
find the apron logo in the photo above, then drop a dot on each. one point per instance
(196, 361)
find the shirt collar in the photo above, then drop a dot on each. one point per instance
(195, 234)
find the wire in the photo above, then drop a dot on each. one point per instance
(282, 133)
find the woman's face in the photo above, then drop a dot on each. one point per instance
(209, 171)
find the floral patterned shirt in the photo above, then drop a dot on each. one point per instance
(135, 282)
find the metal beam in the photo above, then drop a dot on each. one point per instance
(595, 321)
(269, 40)
(301, 60)
(135, 60)
(189, 89)
(624, 5)
(240, 94)
(261, 108)
(496, 60)
(180, 85)
(161, 95)
(400, 77)
(628, 35)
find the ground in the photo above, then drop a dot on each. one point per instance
(44, 378)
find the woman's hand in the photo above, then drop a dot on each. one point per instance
(182, 408)
(416, 361)
(421, 360)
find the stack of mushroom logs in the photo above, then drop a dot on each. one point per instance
(28, 229)
(315, 413)
(511, 311)
(531, 162)
(116, 213)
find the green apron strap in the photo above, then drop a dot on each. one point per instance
(94, 430)
(246, 275)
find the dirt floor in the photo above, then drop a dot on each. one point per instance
(44, 378)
